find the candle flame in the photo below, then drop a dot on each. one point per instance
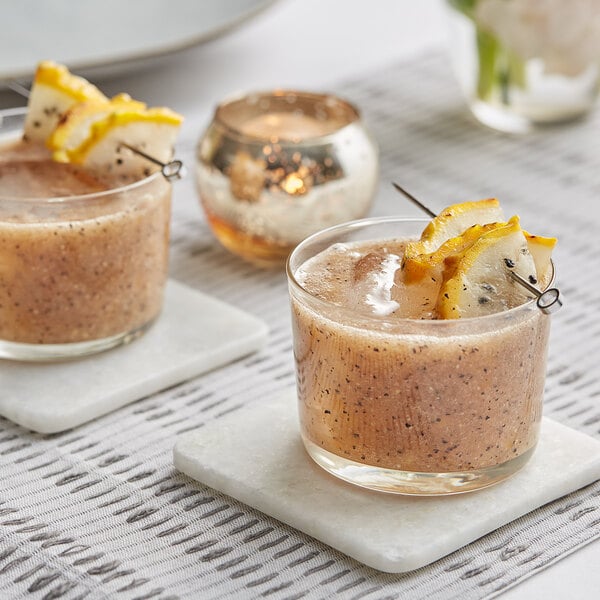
(293, 184)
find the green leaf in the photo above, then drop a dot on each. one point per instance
(516, 67)
(488, 50)
(466, 7)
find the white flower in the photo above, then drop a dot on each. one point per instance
(564, 34)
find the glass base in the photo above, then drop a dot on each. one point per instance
(56, 352)
(251, 248)
(413, 483)
(508, 121)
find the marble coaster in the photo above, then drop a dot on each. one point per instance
(194, 334)
(256, 456)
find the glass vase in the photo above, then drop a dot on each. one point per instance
(522, 63)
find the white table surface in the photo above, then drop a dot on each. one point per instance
(311, 44)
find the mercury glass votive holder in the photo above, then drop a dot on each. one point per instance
(275, 167)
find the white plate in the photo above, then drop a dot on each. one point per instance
(86, 34)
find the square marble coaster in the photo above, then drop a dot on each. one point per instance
(256, 456)
(194, 334)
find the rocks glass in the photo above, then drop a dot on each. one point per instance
(413, 406)
(79, 273)
(275, 167)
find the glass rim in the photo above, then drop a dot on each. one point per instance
(228, 104)
(64, 200)
(425, 323)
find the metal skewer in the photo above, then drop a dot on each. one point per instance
(20, 89)
(414, 200)
(171, 170)
(548, 301)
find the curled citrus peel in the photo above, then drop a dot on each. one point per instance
(455, 219)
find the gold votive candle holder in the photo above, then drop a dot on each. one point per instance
(275, 167)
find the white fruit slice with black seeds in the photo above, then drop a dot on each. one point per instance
(54, 91)
(541, 250)
(478, 282)
(74, 127)
(152, 131)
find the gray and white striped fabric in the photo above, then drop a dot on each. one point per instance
(99, 512)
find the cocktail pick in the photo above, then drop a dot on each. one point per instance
(548, 301)
(17, 87)
(171, 170)
(414, 200)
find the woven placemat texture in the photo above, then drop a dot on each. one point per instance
(100, 512)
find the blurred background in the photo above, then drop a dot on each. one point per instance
(244, 44)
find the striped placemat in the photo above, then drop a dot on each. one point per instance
(99, 512)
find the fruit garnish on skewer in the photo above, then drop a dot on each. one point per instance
(488, 267)
(152, 130)
(79, 124)
(476, 282)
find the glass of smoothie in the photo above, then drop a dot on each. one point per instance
(393, 399)
(83, 255)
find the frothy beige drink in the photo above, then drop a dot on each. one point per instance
(89, 266)
(384, 386)
(84, 219)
